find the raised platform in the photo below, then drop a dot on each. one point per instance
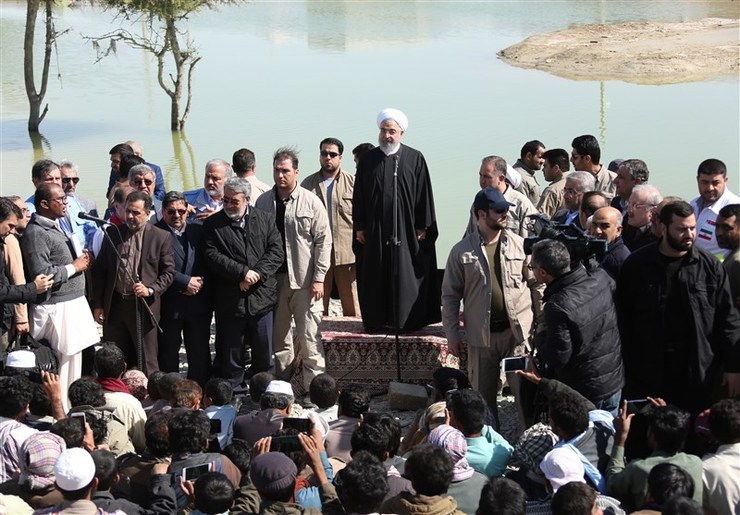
(353, 356)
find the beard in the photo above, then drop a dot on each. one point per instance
(678, 244)
(236, 215)
(388, 148)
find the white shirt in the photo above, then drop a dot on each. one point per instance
(706, 219)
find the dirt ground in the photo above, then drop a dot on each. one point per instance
(641, 53)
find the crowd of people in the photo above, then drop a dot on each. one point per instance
(613, 309)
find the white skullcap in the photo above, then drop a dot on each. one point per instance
(75, 469)
(21, 359)
(513, 176)
(562, 466)
(280, 387)
(397, 116)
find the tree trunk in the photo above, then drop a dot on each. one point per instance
(36, 98)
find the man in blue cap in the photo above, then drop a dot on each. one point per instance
(488, 272)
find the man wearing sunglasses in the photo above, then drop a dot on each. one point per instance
(334, 187)
(142, 178)
(488, 272)
(69, 184)
(186, 305)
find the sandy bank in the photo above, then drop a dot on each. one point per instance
(642, 53)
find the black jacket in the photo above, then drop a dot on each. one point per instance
(231, 252)
(9, 293)
(187, 253)
(580, 344)
(615, 256)
(707, 309)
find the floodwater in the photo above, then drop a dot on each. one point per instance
(291, 73)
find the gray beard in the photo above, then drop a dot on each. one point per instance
(389, 149)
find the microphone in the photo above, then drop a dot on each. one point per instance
(87, 216)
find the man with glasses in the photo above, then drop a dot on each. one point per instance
(62, 315)
(576, 184)
(243, 252)
(585, 157)
(487, 272)
(208, 200)
(630, 173)
(141, 177)
(334, 187)
(47, 171)
(69, 182)
(187, 306)
(641, 214)
(579, 344)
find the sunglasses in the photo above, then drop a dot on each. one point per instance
(180, 212)
(148, 182)
(73, 180)
(325, 153)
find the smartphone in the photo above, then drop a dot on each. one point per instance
(285, 444)
(301, 424)
(83, 420)
(193, 473)
(636, 405)
(215, 426)
(515, 363)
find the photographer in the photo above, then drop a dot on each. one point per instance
(580, 345)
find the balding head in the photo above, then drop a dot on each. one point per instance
(607, 224)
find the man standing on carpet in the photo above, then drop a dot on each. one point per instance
(374, 198)
(333, 185)
(61, 315)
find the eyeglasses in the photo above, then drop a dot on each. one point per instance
(530, 266)
(180, 212)
(73, 180)
(148, 182)
(575, 156)
(325, 153)
(63, 200)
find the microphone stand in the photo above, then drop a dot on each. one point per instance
(395, 251)
(139, 300)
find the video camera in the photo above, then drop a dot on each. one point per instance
(580, 245)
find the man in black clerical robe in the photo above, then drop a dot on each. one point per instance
(373, 201)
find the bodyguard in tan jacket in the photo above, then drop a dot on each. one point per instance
(334, 187)
(304, 228)
(488, 272)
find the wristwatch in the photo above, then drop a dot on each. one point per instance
(151, 292)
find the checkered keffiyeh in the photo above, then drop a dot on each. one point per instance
(39, 454)
(454, 444)
(136, 382)
(532, 446)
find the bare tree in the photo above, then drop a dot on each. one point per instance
(36, 97)
(161, 37)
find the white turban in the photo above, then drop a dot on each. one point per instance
(397, 116)
(513, 176)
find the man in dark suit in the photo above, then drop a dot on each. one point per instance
(138, 270)
(576, 184)
(187, 305)
(243, 251)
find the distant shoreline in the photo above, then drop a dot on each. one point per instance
(640, 53)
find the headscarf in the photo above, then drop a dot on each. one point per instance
(39, 454)
(397, 116)
(454, 444)
(136, 381)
